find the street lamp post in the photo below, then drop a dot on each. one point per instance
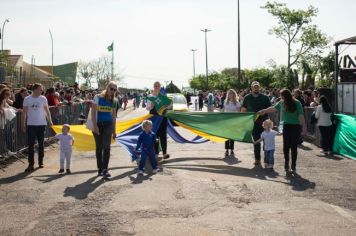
(2, 34)
(238, 45)
(193, 50)
(50, 33)
(206, 57)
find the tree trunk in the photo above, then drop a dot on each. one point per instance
(296, 79)
(288, 56)
(308, 81)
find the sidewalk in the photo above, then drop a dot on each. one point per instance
(197, 192)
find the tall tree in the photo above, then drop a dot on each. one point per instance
(102, 71)
(86, 73)
(295, 29)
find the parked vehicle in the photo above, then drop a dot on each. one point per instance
(179, 102)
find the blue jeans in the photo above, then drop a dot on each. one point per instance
(150, 153)
(269, 157)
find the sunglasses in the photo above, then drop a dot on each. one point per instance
(113, 89)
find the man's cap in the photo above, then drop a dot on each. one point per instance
(254, 83)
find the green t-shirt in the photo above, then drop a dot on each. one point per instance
(255, 104)
(291, 118)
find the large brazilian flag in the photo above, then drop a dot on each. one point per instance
(229, 125)
(216, 127)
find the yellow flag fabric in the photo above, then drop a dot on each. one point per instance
(84, 139)
(125, 125)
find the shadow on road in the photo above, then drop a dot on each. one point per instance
(299, 183)
(82, 190)
(183, 159)
(305, 148)
(50, 178)
(140, 178)
(331, 157)
(296, 181)
(231, 160)
(15, 178)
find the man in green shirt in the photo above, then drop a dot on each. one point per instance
(254, 102)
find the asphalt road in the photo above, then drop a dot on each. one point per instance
(197, 192)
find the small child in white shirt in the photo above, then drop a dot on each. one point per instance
(66, 143)
(268, 136)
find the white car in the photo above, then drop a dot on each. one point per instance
(179, 101)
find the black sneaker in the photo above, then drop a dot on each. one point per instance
(100, 173)
(106, 174)
(40, 166)
(226, 153)
(68, 171)
(29, 169)
(61, 171)
(257, 163)
(166, 156)
(232, 153)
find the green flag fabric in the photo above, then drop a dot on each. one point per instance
(161, 102)
(345, 137)
(111, 47)
(237, 126)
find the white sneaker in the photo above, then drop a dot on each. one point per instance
(154, 171)
(140, 172)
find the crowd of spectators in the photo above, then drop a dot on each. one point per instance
(308, 97)
(58, 95)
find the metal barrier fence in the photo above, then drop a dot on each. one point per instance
(12, 139)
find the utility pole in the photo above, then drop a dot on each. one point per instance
(50, 33)
(2, 34)
(238, 45)
(206, 57)
(112, 61)
(193, 50)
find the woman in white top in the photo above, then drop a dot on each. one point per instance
(231, 104)
(323, 114)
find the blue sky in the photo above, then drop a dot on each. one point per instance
(153, 38)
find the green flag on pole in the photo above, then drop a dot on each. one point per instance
(111, 47)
